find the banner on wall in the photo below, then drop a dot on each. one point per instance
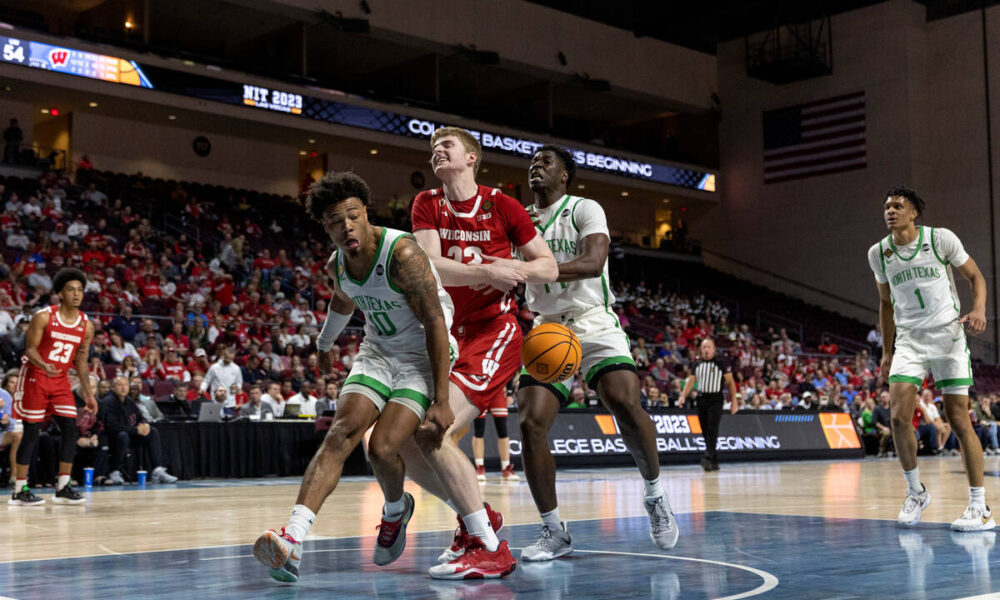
(586, 438)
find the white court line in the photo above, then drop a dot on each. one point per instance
(992, 596)
(770, 581)
(105, 548)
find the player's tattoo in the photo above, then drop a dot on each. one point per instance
(410, 269)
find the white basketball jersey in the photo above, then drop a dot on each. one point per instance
(390, 325)
(920, 278)
(563, 225)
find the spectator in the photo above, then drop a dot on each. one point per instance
(12, 138)
(225, 374)
(129, 368)
(127, 428)
(932, 415)
(150, 411)
(329, 399)
(274, 398)
(125, 324)
(10, 429)
(882, 418)
(641, 354)
(256, 409)
(828, 347)
(305, 400)
(120, 348)
(926, 432)
(172, 368)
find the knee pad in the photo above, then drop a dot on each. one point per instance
(479, 427)
(501, 424)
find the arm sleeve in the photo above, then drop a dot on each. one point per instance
(875, 263)
(520, 229)
(589, 218)
(422, 214)
(950, 248)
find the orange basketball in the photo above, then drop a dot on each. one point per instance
(551, 353)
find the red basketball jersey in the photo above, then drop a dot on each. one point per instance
(488, 224)
(60, 341)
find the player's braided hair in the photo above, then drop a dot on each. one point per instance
(567, 160)
(334, 188)
(911, 195)
(67, 275)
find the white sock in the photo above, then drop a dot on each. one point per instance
(503, 464)
(478, 524)
(653, 488)
(480, 462)
(393, 511)
(913, 480)
(977, 496)
(551, 519)
(19, 484)
(299, 523)
(62, 482)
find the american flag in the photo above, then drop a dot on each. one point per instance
(817, 138)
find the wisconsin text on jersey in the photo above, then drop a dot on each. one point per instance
(461, 235)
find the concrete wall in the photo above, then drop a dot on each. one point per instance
(163, 151)
(925, 115)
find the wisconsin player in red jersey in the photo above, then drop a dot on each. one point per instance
(470, 232)
(58, 336)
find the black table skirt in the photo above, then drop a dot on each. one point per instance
(244, 449)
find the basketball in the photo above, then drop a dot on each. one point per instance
(551, 353)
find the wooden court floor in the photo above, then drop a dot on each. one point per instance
(778, 529)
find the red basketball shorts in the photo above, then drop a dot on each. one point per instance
(489, 356)
(38, 396)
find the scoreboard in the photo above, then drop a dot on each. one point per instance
(72, 62)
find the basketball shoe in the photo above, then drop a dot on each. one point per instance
(913, 505)
(25, 498)
(550, 544)
(508, 474)
(662, 523)
(977, 517)
(67, 495)
(391, 538)
(281, 553)
(462, 534)
(477, 563)
(480, 472)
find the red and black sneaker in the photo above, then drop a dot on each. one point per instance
(391, 538)
(457, 547)
(477, 563)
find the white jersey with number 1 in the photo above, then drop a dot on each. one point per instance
(920, 278)
(563, 225)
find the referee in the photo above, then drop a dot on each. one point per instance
(710, 373)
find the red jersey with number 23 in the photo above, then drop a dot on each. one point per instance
(60, 341)
(488, 224)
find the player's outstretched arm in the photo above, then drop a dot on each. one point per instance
(452, 272)
(888, 325)
(410, 268)
(976, 319)
(589, 263)
(33, 338)
(82, 361)
(538, 266)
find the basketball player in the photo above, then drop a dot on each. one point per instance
(498, 409)
(468, 231)
(401, 366)
(57, 337)
(577, 232)
(919, 310)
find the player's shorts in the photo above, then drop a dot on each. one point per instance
(604, 343)
(489, 355)
(401, 377)
(941, 350)
(38, 396)
(496, 407)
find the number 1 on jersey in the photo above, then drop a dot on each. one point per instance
(920, 298)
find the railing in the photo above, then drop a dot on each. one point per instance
(769, 319)
(844, 342)
(36, 157)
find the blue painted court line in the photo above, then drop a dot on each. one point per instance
(719, 555)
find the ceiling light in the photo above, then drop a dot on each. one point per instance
(485, 170)
(666, 201)
(172, 117)
(128, 24)
(45, 111)
(92, 104)
(580, 186)
(373, 151)
(312, 141)
(189, 63)
(302, 152)
(625, 194)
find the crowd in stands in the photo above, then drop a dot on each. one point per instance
(201, 294)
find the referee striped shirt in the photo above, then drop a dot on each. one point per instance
(709, 374)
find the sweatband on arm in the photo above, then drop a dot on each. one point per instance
(332, 326)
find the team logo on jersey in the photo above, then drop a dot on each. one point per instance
(379, 270)
(887, 253)
(340, 269)
(487, 205)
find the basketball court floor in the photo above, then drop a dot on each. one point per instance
(771, 530)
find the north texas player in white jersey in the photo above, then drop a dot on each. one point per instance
(919, 310)
(576, 231)
(398, 381)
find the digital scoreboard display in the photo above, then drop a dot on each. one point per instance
(72, 62)
(38, 55)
